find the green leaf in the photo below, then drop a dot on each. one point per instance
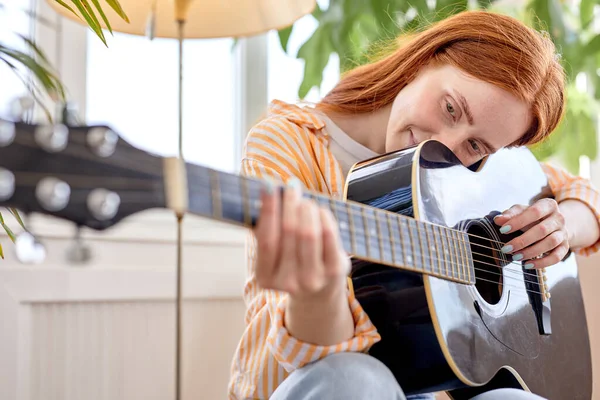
(8, 231)
(17, 216)
(114, 4)
(586, 12)
(65, 5)
(102, 15)
(315, 52)
(91, 19)
(284, 36)
(593, 46)
(1, 251)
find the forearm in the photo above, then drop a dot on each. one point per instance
(581, 224)
(321, 321)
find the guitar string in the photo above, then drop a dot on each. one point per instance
(354, 213)
(394, 243)
(359, 230)
(207, 171)
(459, 265)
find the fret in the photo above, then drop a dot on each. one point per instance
(358, 229)
(372, 233)
(433, 259)
(384, 233)
(407, 243)
(456, 251)
(448, 252)
(417, 246)
(228, 198)
(198, 187)
(470, 270)
(435, 252)
(465, 267)
(345, 212)
(442, 248)
(424, 240)
(390, 236)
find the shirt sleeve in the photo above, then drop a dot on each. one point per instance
(566, 186)
(269, 155)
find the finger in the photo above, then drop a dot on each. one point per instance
(311, 276)
(547, 245)
(267, 236)
(554, 257)
(529, 216)
(506, 215)
(286, 276)
(335, 260)
(533, 235)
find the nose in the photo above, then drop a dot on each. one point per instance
(451, 139)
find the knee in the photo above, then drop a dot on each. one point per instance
(342, 376)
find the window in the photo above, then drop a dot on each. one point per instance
(132, 86)
(285, 71)
(13, 20)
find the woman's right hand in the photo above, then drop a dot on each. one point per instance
(298, 245)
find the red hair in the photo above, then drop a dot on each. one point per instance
(494, 48)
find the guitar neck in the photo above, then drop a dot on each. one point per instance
(368, 233)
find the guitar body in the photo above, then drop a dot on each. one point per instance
(438, 335)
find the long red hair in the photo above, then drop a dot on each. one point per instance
(492, 47)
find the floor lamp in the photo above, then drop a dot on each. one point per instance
(196, 19)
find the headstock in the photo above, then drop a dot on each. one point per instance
(88, 175)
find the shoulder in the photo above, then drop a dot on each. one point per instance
(286, 130)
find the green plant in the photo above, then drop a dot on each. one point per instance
(357, 29)
(34, 62)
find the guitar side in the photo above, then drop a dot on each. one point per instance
(439, 335)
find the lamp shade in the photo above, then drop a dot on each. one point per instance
(204, 18)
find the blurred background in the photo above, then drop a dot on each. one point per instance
(60, 318)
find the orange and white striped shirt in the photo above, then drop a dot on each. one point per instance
(293, 141)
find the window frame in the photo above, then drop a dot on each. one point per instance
(66, 48)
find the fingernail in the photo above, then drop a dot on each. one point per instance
(517, 257)
(294, 183)
(269, 187)
(505, 229)
(506, 249)
(497, 216)
(528, 266)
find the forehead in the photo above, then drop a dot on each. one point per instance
(497, 114)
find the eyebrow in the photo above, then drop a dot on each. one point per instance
(465, 106)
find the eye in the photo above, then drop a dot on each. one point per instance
(450, 108)
(475, 146)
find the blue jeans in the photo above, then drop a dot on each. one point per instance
(357, 376)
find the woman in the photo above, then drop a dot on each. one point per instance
(476, 82)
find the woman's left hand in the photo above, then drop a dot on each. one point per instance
(545, 233)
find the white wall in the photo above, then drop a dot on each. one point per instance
(106, 330)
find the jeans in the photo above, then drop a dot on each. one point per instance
(358, 376)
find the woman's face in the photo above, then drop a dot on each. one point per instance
(471, 117)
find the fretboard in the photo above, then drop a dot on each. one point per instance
(368, 233)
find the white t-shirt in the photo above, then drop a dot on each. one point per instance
(346, 150)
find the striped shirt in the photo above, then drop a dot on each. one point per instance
(293, 141)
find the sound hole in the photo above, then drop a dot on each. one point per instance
(488, 272)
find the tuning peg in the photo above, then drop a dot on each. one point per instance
(28, 249)
(52, 138)
(7, 184)
(69, 114)
(20, 106)
(7, 132)
(79, 252)
(102, 140)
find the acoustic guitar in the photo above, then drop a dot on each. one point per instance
(455, 313)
